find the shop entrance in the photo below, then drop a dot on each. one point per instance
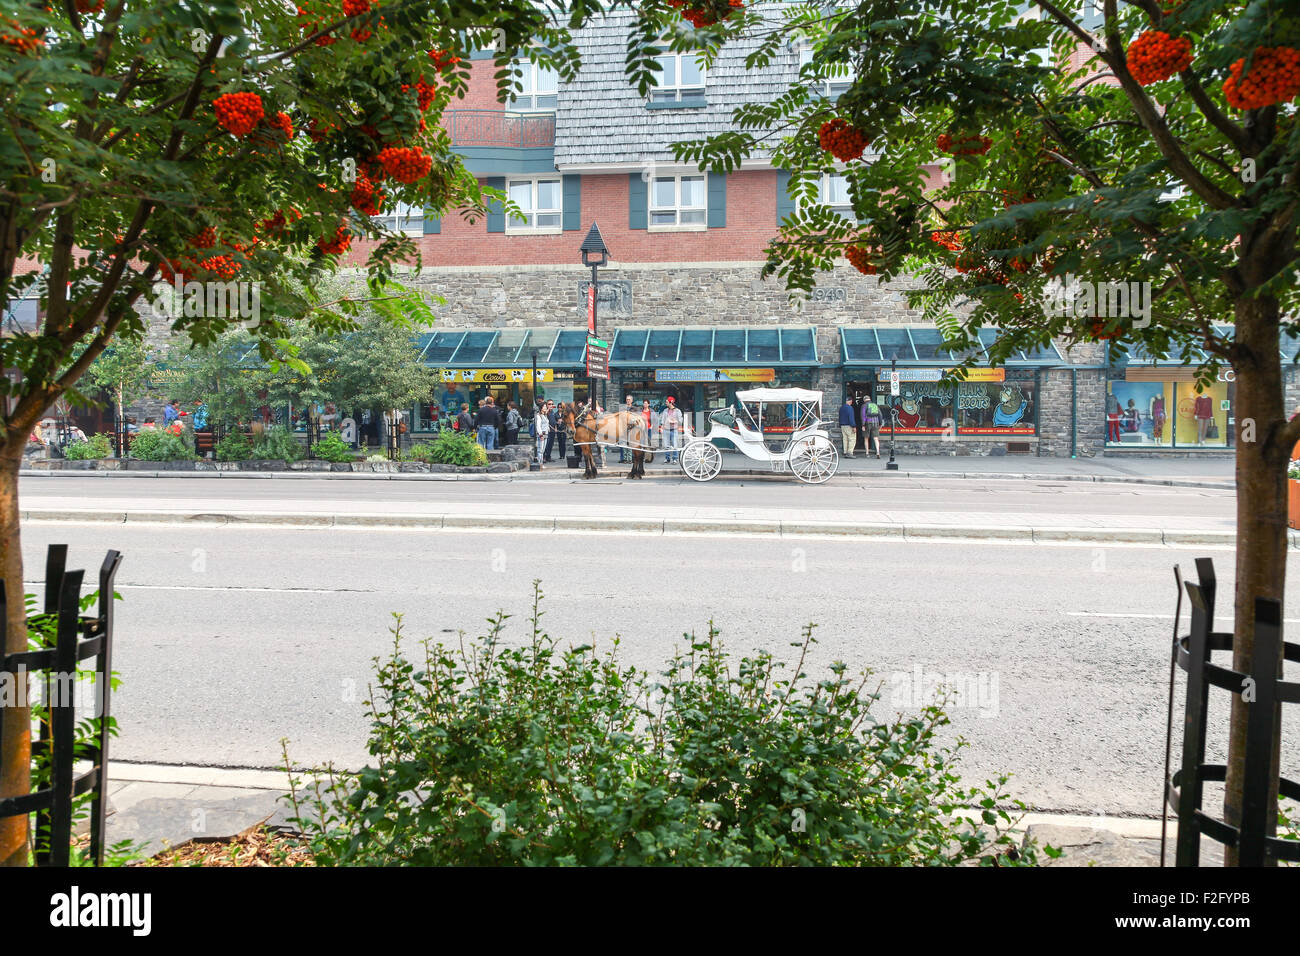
(858, 392)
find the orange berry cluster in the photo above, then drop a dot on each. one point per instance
(950, 240)
(1274, 77)
(22, 39)
(1010, 199)
(1156, 56)
(366, 198)
(963, 144)
(90, 6)
(205, 239)
(406, 164)
(860, 259)
(310, 24)
(239, 112)
(708, 14)
(282, 122)
(443, 60)
(317, 130)
(841, 140)
(337, 244)
(224, 267)
(424, 93)
(275, 224)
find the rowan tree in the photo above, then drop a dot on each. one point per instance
(1170, 155)
(214, 142)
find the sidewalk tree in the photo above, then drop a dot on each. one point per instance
(230, 141)
(1170, 157)
(122, 371)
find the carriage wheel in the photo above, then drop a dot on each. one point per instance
(814, 459)
(700, 461)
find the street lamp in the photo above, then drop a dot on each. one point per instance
(595, 255)
(892, 465)
(533, 463)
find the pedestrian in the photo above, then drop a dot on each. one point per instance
(171, 412)
(849, 427)
(871, 422)
(201, 416)
(465, 421)
(629, 407)
(514, 421)
(552, 427)
(488, 422)
(670, 423)
(542, 429)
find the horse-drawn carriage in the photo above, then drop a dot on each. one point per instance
(807, 450)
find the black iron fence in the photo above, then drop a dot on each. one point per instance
(1265, 691)
(76, 638)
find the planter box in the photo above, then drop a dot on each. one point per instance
(1293, 504)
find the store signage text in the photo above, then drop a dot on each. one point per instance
(500, 375)
(936, 374)
(715, 374)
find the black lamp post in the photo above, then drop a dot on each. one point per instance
(533, 463)
(892, 465)
(595, 255)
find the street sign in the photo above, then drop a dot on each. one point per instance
(598, 343)
(597, 360)
(893, 383)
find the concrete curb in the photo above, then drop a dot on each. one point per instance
(1150, 537)
(556, 474)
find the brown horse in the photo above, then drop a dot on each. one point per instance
(611, 428)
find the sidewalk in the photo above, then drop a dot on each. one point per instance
(164, 806)
(1176, 472)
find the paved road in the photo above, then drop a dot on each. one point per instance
(230, 639)
(893, 499)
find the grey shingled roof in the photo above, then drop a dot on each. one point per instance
(601, 118)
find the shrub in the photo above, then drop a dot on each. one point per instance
(536, 754)
(377, 458)
(277, 444)
(96, 446)
(421, 451)
(235, 446)
(452, 448)
(332, 447)
(151, 444)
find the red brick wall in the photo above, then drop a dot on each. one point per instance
(751, 223)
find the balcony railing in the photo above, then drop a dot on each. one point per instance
(500, 128)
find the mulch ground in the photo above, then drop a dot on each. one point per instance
(256, 846)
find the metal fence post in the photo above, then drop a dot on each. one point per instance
(103, 699)
(1194, 716)
(1261, 723)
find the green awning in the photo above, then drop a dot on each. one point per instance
(877, 345)
(760, 346)
(503, 348)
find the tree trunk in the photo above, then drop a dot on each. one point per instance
(15, 722)
(1261, 521)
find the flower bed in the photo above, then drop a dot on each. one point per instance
(388, 467)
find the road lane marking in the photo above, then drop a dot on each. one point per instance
(1164, 617)
(200, 587)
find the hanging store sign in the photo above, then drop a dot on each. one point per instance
(715, 374)
(497, 375)
(936, 374)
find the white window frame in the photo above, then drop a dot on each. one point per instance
(830, 87)
(677, 208)
(527, 102)
(403, 218)
(531, 228)
(676, 92)
(844, 209)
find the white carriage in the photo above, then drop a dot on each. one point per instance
(807, 450)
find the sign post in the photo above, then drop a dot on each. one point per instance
(597, 358)
(894, 391)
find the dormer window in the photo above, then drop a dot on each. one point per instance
(681, 79)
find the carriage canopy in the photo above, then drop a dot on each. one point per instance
(779, 395)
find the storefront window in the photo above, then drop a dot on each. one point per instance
(1168, 414)
(996, 408)
(921, 408)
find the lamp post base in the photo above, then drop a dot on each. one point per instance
(891, 466)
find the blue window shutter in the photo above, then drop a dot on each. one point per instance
(785, 204)
(496, 215)
(571, 188)
(717, 201)
(432, 224)
(638, 202)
